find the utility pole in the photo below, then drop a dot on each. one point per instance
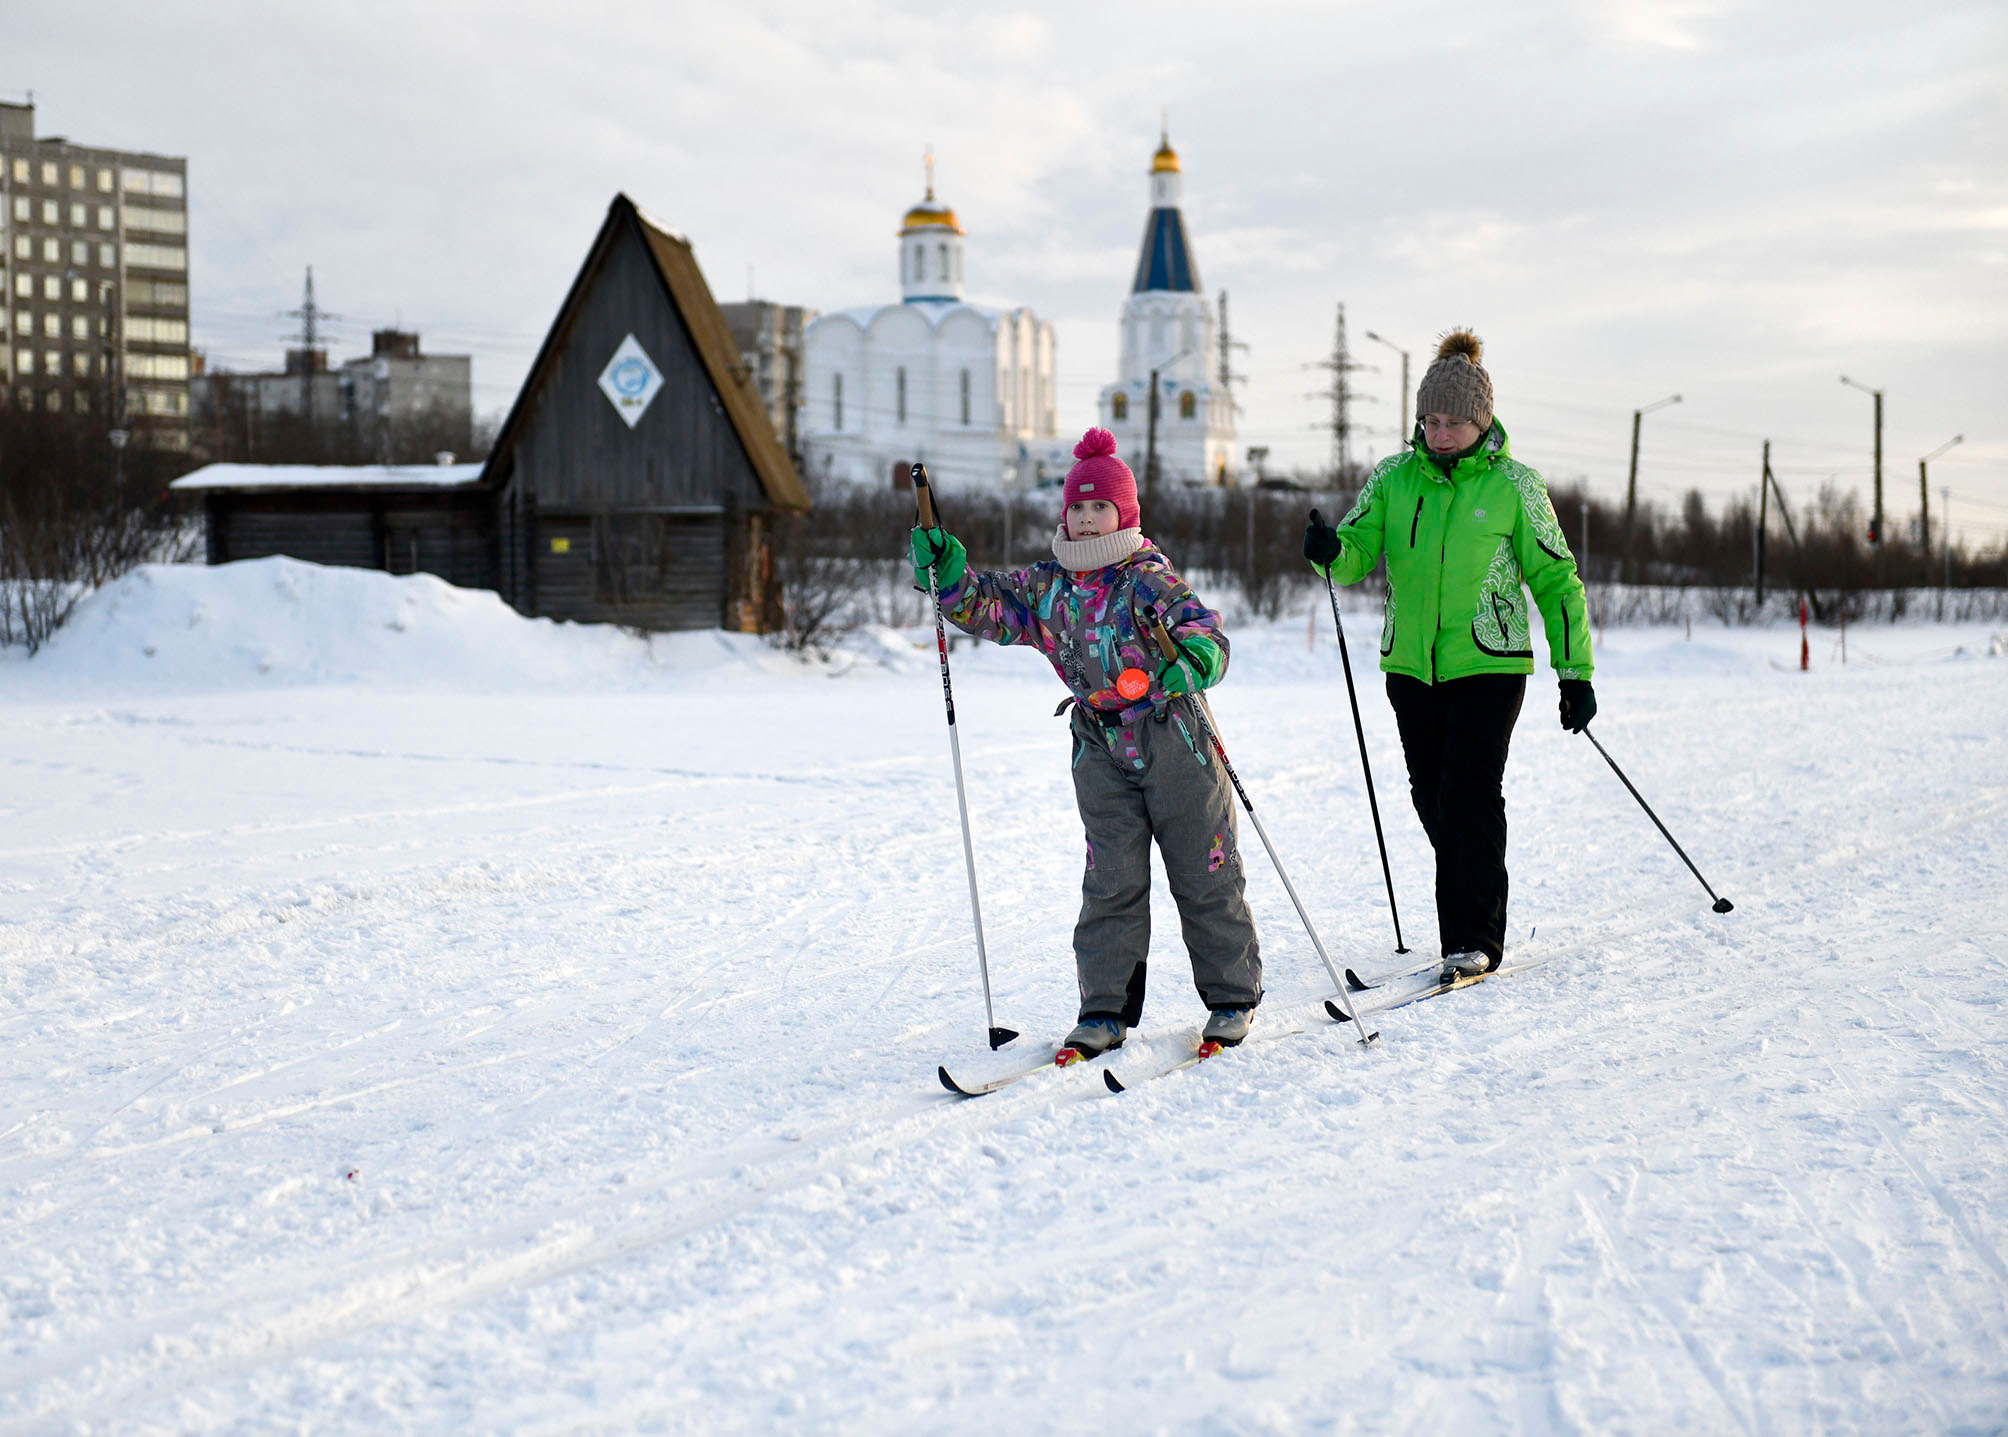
(1405, 435)
(1763, 517)
(1924, 505)
(1945, 507)
(1631, 484)
(1150, 465)
(1341, 364)
(311, 317)
(1228, 344)
(1876, 521)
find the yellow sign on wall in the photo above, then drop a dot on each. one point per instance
(561, 546)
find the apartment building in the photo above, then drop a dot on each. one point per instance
(94, 304)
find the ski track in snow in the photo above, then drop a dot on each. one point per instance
(622, 1007)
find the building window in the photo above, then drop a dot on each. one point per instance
(50, 177)
(900, 385)
(76, 177)
(24, 361)
(82, 399)
(944, 262)
(145, 329)
(156, 256)
(1119, 408)
(837, 398)
(965, 396)
(1188, 405)
(80, 216)
(20, 172)
(24, 322)
(52, 324)
(52, 213)
(52, 362)
(52, 287)
(24, 248)
(54, 402)
(107, 256)
(104, 182)
(80, 290)
(80, 252)
(173, 222)
(52, 251)
(80, 365)
(80, 327)
(104, 217)
(24, 285)
(24, 209)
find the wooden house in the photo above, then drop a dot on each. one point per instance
(635, 480)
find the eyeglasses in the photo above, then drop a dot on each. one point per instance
(1437, 426)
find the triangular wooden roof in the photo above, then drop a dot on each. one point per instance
(683, 282)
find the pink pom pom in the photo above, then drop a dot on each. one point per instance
(1095, 441)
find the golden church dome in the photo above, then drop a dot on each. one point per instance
(1165, 161)
(930, 214)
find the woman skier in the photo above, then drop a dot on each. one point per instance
(1463, 525)
(1141, 767)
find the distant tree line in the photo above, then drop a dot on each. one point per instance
(843, 563)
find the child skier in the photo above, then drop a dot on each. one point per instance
(1142, 769)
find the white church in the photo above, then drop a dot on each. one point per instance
(966, 389)
(1168, 327)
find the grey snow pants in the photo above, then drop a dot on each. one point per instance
(1162, 781)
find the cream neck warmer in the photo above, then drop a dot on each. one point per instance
(1083, 556)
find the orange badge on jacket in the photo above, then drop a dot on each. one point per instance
(1132, 684)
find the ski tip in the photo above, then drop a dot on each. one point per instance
(1000, 1036)
(1355, 982)
(1339, 1015)
(1723, 905)
(1112, 1082)
(948, 1082)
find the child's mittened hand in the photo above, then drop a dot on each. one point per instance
(1179, 678)
(939, 550)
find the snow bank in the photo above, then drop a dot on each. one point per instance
(277, 622)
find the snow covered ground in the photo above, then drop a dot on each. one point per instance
(416, 1018)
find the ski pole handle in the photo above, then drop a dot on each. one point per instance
(923, 497)
(1166, 644)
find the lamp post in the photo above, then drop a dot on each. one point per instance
(1876, 522)
(1150, 440)
(1404, 379)
(1631, 484)
(1924, 505)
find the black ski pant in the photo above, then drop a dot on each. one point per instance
(1455, 735)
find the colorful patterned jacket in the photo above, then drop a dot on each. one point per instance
(1089, 626)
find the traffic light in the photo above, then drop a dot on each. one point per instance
(1875, 531)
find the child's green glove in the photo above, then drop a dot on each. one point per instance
(940, 550)
(1199, 669)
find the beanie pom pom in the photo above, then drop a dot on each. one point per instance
(1094, 442)
(1459, 341)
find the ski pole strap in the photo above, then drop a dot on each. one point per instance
(923, 498)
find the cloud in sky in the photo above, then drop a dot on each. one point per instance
(1735, 202)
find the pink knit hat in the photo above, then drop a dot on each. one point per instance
(1100, 475)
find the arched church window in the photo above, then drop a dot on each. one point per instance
(1188, 405)
(944, 262)
(900, 385)
(1119, 408)
(837, 398)
(965, 396)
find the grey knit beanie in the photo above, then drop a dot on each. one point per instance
(1457, 383)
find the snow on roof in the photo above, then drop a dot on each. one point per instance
(330, 476)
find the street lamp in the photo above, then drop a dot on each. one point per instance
(1924, 507)
(1404, 380)
(1631, 484)
(1876, 522)
(1150, 441)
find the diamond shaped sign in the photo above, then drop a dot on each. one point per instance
(630, 381)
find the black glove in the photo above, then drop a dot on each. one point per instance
(1579, 704)
(1321, 541)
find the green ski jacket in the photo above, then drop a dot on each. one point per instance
(1458, 550)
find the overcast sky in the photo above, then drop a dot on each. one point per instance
(1738, 203)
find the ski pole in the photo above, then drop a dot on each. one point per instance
(1345, 661)
(924, 502)
(1168, 646)
(1722, 905)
